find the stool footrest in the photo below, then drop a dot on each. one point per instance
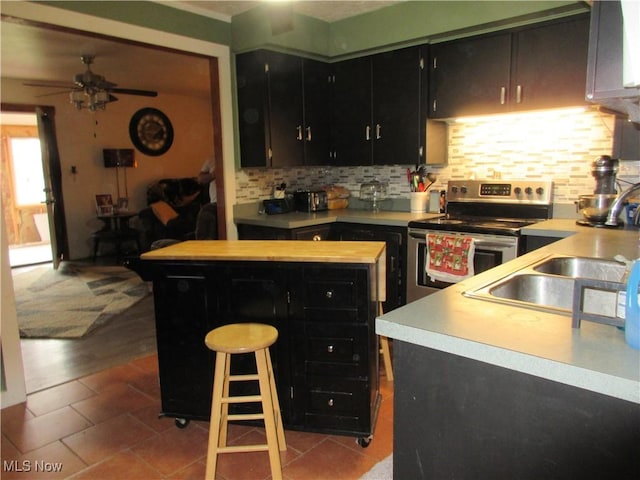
(243, 399)
(243, 448)
(246, 416)
(244, 378)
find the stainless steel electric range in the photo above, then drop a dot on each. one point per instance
(492, 212)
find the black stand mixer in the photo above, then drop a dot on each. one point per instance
(595, 208)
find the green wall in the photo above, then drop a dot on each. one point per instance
(405, 23)
(155, 16)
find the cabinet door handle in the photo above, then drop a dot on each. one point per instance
(316, 238)
(330, 348)
(330, 402)
(308, 134)
(329, 294)
(299, 130)
(367, 133)
(434, 105)
(519, 94)
(378, 131)
(503, 95)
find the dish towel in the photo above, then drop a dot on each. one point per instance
(449, 257)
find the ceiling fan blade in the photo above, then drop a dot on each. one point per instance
(54, 93)
(129, 91)
(66, 85)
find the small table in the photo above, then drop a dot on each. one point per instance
(116, 230)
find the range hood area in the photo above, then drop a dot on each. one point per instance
(613, 69)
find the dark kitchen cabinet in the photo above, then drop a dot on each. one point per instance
(335, 383)
(257, 232)
(396, 241)
(455, 417)
(376, 109)
(626, 140)
(253, 109)
(351, 112)
(534, 67)
(282, 100)
(604, 73)
(469, 77)
(325, 359)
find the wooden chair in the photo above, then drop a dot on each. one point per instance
(235, 339)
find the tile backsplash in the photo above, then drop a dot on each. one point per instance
(558, 145)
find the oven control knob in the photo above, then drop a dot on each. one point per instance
(454, 189)
(517, 191)
(463, 189)
(528, 190)
(539, 190)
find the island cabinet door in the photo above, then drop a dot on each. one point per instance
(334, 350)
(257, 292)
(183, 317)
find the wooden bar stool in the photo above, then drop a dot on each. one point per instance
(384, 350)
(244, 338)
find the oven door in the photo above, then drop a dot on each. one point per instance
(490, 251)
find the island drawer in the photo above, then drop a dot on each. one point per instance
(331, 294)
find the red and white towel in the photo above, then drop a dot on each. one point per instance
(449, 257)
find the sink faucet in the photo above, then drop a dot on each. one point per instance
(616, 208)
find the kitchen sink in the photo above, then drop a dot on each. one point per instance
(548, 284)
(582, 267)
(545, 290)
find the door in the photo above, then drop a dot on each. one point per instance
(550, 68)
(351, 134)
(396, 104)
(317, 122)
(53, 184)
(285, 112)
(470, 76)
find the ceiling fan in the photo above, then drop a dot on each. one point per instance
(90, 90)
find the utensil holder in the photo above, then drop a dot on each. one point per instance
(419, 202)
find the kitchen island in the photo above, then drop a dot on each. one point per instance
(486, 390)
(321, 296)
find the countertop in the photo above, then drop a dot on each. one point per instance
(303, 219)
(271, 250)
(594, 357)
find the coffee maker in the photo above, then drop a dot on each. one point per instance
(595, 208)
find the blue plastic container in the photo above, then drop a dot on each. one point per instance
(632, 309)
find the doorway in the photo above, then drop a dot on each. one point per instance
(23, 197)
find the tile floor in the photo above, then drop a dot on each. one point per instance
(105, 426)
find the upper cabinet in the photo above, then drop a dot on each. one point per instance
(282, 106)
(542, 66)
(351, 112)
(605, 67)
(253, 111)
(377, 110)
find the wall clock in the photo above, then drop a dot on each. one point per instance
(151, 131)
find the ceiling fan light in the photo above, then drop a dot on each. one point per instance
(76, 97)
(101, 97)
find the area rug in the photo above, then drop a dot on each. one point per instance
(74, 300)
(383, 470)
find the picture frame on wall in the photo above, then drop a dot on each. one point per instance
(104, 204)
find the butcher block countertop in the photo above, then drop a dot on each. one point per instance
(371, 253)
(271, 250)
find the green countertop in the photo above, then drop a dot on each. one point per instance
(594, 357)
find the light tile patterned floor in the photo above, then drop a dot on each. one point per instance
(105, 426)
